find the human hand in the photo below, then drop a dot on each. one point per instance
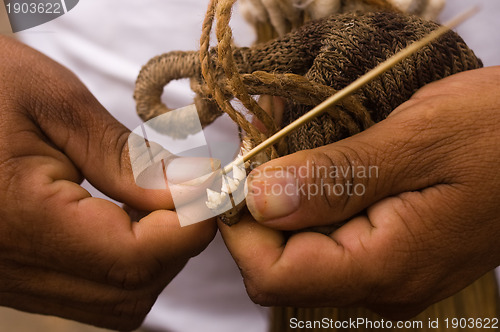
(63, 252)
(420, 227)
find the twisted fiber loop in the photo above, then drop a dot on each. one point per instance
(157, 73)
(294, 87)
(213, 86)
(206, 69)
(305, 92)
(160, 71)
(225, 54)
(233, 80)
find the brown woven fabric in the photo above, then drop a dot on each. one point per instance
(351, 45)
(308, 65)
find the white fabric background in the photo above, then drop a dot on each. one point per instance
(105, 42)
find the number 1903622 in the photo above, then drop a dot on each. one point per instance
(471, 323)
(34, 8)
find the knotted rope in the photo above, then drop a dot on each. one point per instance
(304, 67)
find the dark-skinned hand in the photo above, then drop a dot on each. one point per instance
(63, 252)
(419, 229)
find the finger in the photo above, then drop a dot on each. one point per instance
(268, 264)
(97, 144)
(332, 183)
(416, 237)
(78, 124)
(254, 248)
(249, 241)
(161, 233)
(129, 255)
(374, 260)
(95, 230)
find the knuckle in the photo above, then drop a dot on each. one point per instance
(73, 95)
(113, 138)
(426, 136)
(335, 173)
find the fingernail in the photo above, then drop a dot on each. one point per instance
(272, 194)
(191, 171)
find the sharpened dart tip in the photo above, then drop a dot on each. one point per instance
(214, 199)
(229, 185)
(239, 174)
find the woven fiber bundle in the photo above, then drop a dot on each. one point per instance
(353, 43)
(307, 66)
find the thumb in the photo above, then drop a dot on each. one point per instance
(78, 125)
(332, 183)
